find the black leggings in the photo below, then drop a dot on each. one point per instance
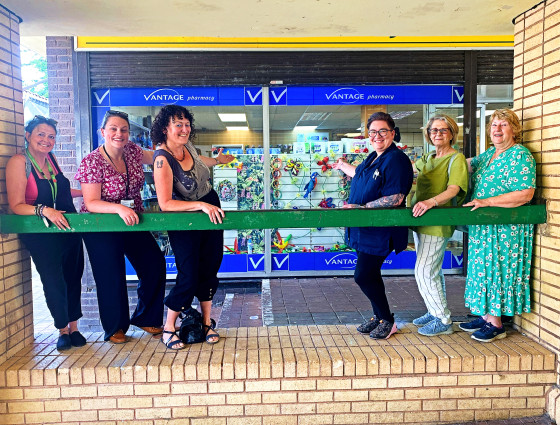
(198, 256)
(368, 277)
(59, 259)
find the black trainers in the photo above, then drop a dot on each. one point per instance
(489, 333)
(473, 325)
(77, 339)
(383, 330)
(368, 326)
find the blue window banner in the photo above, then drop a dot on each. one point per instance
(255, 262)
(281, 262)
(279, 96)
(310, 261)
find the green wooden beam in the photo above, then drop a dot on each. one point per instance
(269, 219)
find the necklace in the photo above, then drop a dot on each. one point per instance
(111, 159)
(173, 155)
(125, 167)
(51, 177)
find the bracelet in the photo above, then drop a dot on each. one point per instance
(217, 162)
(434, 198)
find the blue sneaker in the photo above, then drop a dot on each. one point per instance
(489, 333)
(436, 327)
(473, 325)
(423, 320)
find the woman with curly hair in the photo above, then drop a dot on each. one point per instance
(182, 179)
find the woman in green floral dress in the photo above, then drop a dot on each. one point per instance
(499, 256)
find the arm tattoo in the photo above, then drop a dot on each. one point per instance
(386, 201)
(159, 164)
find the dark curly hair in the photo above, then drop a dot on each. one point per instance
(164, 117)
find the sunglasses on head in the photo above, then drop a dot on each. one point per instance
(113, 113)
(42, 119)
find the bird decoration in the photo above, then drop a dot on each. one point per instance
(311, 184)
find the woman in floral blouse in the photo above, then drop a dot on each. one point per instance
(112, 178)
(499, 256)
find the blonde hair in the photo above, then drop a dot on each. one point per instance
(512, 119)
(451, 124)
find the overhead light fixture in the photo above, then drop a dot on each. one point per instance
(305, 128)
(233, 117)
(237, 128)
(315, 116)
(352, 135)
(401, 114)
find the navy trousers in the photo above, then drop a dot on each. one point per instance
(106, 252)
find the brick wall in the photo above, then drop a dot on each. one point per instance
(16, 307)
(61, 101)
(537, 101)
(276, 375)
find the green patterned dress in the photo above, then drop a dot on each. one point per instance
(499, 256)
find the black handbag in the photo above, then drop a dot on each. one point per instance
(191, 330)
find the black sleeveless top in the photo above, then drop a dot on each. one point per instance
(44, 192)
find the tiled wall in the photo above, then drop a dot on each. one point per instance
(537, 101)
(16, 308)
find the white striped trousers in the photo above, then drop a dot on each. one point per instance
(429, 275)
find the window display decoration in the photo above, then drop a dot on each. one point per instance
(235, 249)
(250, 194)
(344, 186)
(324, 163)
(226, 191)
(276, 163)
(257, 240)
(293, 166)
(278, 204)
(233, 164)
(282, 244)
(311, 184)
(326, 203)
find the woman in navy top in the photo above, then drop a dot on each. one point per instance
(382, 181)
